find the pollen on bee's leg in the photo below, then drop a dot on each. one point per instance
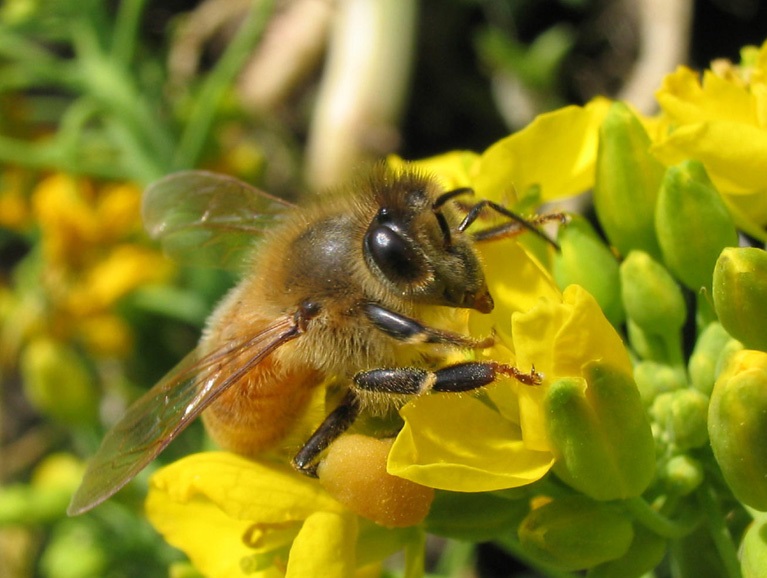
(354, 473)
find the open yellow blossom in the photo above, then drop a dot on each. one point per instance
(237, 517)
(720, 119)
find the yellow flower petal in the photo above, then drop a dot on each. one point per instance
(212, 540)
(560, 338)
(222, 510)
(686, 100)
(734, 154)
(556, 152)
(67, 220)
(244, 489)
(458, 443)
(323, 547)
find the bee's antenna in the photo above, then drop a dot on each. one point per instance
(437, 206)
(498, 231)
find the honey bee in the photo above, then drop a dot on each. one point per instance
(335, 289)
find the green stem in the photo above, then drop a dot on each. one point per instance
(455, 558)
(126, 30)
(660, 524)
(719, 531)
(216, 84)
(414, 556)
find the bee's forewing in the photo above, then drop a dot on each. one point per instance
(157, 417)
(204, 218)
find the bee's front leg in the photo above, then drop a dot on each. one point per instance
(409, 330)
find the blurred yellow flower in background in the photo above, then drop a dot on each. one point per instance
(91, 258)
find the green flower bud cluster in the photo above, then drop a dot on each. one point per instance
(692, 308)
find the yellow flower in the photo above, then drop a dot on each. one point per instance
(236, 517)
(721, 121)
(91, 259)
(560, 337)
(79, 222)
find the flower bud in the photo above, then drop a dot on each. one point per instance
(645, 553)
(646, 345)
(682, 416)
(704, 360)
(627, 181)
(737, 425)
(653, 378)
(692, 223)
(575, 533)
(354, 473)
(57, 382)
(652, 298)
(740, 295)
(753, 550)
(585, 260)
(682, 475)
(600, 434)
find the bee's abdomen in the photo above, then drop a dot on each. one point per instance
(261, 409)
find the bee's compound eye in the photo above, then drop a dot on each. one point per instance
(393, 254)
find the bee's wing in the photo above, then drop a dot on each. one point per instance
(204, 218)
(157, 417)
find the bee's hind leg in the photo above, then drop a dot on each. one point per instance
(402, 381)
(336, 423)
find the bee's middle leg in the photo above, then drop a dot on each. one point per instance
(454, 378)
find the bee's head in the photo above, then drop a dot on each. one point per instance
(413, 245)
